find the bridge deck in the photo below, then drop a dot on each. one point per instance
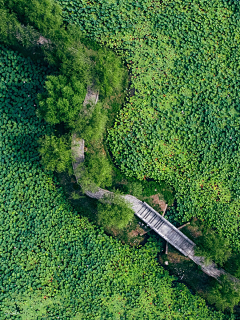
(161, 226)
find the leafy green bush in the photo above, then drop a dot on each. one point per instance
(62, 100)
(225, 295)
(44, 15)
(110, 74)
(213, 246)
(91, 123)
(56, 153)
(232, 265)
(114, 211)
(135, 189)
(96, 171)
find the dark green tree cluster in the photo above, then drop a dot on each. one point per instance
(213, 246)
(95, 171)
(76, 68)
(55, 152)
(225, 295)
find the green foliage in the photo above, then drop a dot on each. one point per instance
(110, 74)
(114, 211)
(31, 306)
(62, 100)
(91, 123)
(96, 171)
(232, 265)
(44, 15)
(56, 153)
(45, 245)
(213, 246)
(8, 26)
(182, 124)
(225, 295)
(135, 189)
(153, 187)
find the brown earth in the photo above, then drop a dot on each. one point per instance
(160, 203)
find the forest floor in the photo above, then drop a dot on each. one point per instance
(186, 271)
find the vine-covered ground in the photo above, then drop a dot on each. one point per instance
(182, 124)
(52, 262)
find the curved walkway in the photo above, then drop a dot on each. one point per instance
(147, 214)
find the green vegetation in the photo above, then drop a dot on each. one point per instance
(225, 295)
(47, 251)
(213, 246)
(91, 124)
(95, 172)
(232, 265)
(56, 153)
(114, 211)
(182, 124)
(62, 100)
(50, 256)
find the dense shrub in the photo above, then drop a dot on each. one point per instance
(56, 153)
(110, 74)
(91, 123)
(45, 16)
(225, 295)
(232, 265)
(62, 100)
(114, 211)
(96, 171)
(213, 246)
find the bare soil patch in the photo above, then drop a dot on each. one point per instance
(158, 202)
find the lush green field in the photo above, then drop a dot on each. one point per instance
(182, 124)
(51, 260)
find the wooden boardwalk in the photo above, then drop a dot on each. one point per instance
(152, 218)
(141, 209)
(161, 226)
(146, 213)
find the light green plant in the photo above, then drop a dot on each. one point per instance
(114, 211)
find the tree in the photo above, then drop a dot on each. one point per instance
(213, 246)
(95, 172)
(56, 153)
(225, 295)
(233, 265)
(111, 77)
(114, 211)
(44, 15)
(90, 125)
(62, 100)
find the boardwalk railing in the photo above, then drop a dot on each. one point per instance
(165, 229)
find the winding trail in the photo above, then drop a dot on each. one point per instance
(146, 213)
